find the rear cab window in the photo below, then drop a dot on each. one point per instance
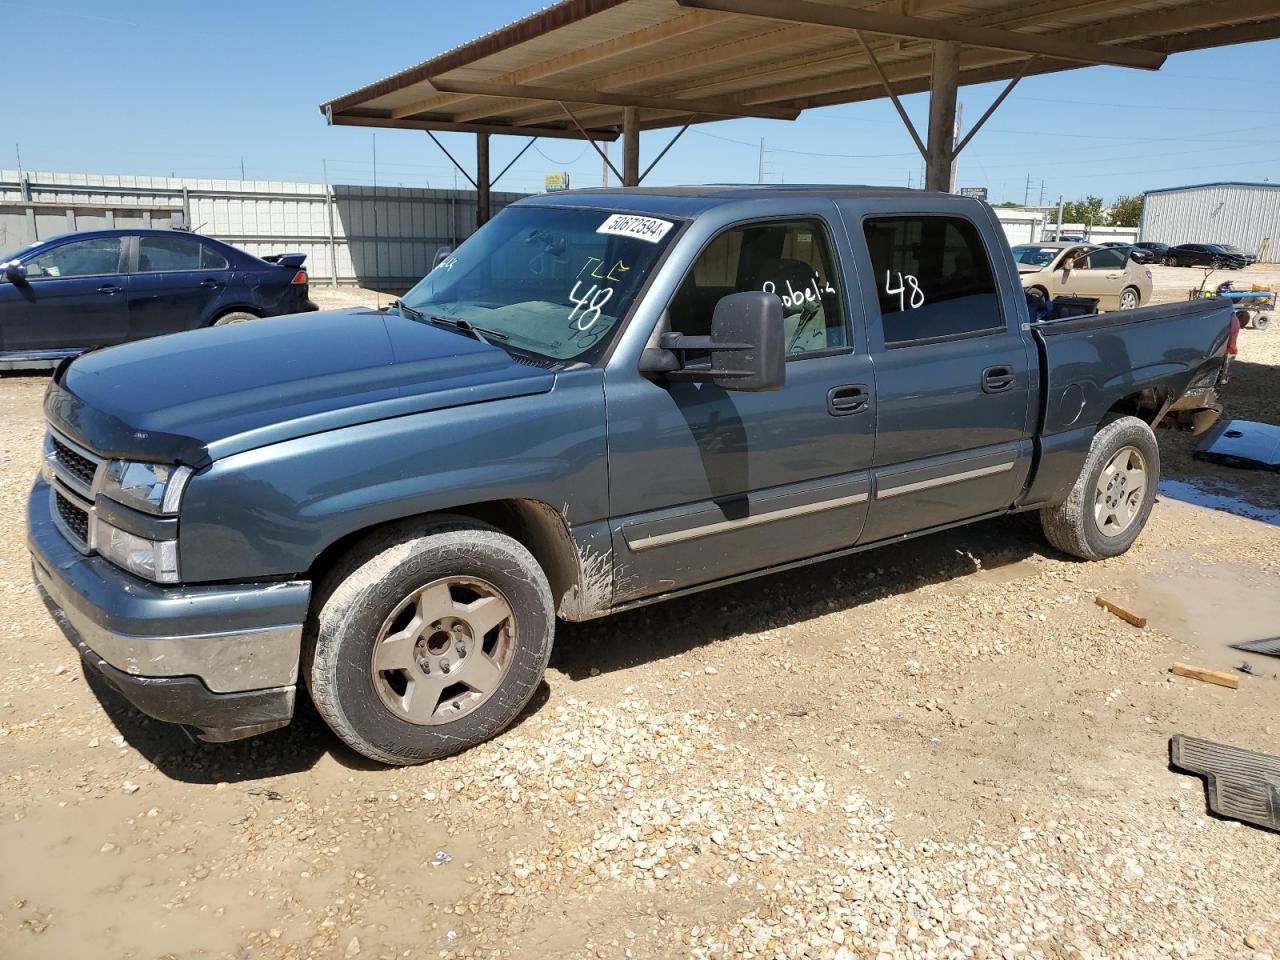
(933, 279)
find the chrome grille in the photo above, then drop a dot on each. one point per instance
(72, 472)
(75, 519)
(77, 464)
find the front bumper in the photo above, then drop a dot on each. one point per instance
(223, 659)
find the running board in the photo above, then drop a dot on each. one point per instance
(1240, 784)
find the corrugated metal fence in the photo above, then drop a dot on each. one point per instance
(381, 237)
(1244, 214)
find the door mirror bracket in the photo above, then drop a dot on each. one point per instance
(746, 345)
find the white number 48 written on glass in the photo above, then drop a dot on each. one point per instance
(905, 282)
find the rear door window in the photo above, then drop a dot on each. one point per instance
(211, 259)
(161, 254)
(933, 278)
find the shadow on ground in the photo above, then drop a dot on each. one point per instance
(768, 603)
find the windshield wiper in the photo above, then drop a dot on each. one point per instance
(480, 333)
(408, 311)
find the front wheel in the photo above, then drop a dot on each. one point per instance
(428, 641)
(1112, 497)
(1129, 299)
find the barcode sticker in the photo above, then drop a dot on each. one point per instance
(649, 229)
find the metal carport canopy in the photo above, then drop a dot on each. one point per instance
(597, 69)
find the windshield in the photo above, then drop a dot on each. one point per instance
(550, 281)
(1229, 248)
(1035, 256)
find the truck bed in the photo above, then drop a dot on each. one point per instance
(1090, 363)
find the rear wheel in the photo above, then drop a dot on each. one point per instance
(1129, 299)
(429, 641)
(1112, 497)
(237, 316)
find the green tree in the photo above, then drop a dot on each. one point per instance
(1086, 211)
(1125, 212)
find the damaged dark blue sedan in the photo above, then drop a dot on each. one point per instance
(62, 296)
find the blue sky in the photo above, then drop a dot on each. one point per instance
(151, 87)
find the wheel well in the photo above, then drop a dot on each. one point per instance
(1147, 405)
(538, 526)
(226, 310)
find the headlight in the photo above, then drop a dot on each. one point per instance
(154, 560)
(151, 487)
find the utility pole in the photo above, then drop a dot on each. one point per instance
(242, 168)
(760, 165)
(328, 203)
(1026, 196)
(377, 264)
(1041, 203)
(955, 138)
(1058, 236)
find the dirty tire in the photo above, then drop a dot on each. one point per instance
(1071, 526)
(1130, 298)
(239, 316)
(354, 602)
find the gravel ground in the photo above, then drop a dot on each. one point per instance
(940, 749)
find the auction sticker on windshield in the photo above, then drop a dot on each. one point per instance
(650, 229)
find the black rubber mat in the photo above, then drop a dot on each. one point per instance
(1241, 784)
(1270, 646)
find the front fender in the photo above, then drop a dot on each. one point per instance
(271, 511)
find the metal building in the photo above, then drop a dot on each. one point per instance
(1244, 214)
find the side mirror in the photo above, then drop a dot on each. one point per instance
(14, 272)
(443, 254)
(747, 346)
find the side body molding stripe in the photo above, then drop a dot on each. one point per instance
(723, 526)
(884, 493)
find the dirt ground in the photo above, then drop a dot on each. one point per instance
(940, 749)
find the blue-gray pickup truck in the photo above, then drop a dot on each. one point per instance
(600, 400)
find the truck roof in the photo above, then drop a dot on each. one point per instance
(687, 201)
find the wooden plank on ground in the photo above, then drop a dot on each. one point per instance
(1205, 674)
(1120, 611)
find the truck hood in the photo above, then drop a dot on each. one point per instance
(198, 396)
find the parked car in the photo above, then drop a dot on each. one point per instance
(600, 400)
(1204, 255)
(1136, 253)
(1245, 255)
(60, 297)
(1070, 238)
(1108, 274)
(1157, 250)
